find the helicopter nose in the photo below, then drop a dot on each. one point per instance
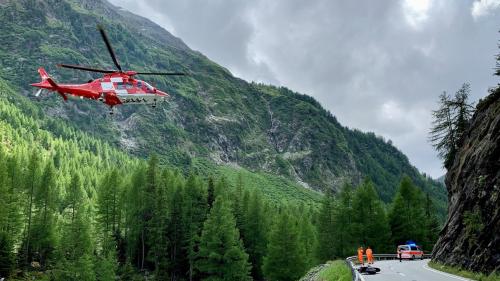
(162, 94)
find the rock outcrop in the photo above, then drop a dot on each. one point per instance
(471, 235)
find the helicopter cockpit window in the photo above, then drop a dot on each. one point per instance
(139, 84)
(149, 88)
(129, 85)
(120, 86)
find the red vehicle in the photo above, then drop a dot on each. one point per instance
(116, 87)
(410, 251)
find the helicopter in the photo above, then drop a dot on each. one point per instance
(116, 87)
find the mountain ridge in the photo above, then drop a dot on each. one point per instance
(212, 115)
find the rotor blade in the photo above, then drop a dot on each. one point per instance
(162, 73)
(84, 68)
(108, 45)
(38, 93)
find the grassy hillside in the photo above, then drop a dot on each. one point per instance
(23, 127)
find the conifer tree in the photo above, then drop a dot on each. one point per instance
(195, 212)
(370, 224)
(159, 233)
(308, 240)
(108, 206)
(12, 222)
(406, 216)
(76, 260)
(326, 229)
(44, 224)
(343, 223)
(106, 266)
(432, 226)
(31, 182)
(177, 254)
(6, 255)
(450, 122)
(210, 192)
(284, 259)
(221, 255)
(255, 234)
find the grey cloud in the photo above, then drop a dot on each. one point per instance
(361, 59)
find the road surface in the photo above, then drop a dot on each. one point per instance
(416, 270)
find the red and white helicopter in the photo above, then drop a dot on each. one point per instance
(116, 87)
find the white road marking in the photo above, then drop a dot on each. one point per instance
(401, 273)
(425, 266)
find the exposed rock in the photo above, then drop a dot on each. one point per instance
(471, 236)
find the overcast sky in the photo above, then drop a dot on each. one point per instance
(377, 65)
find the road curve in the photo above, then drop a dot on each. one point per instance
(416, 270)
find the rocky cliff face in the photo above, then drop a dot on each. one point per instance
(471, 236)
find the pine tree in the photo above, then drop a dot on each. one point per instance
(326, 229)
(450, 122)
(135, 225)
(432, 226)
(12, 223)
(108, 206)
(255, 234)
(284, 259)
(159, 233)
(370, 224)
(106, 266)
(343, 223)
(210, 192)
(6, 255)
(44, 224)
(221, 255)
(31, 182)
(76, 260)
(406, 216)
(177, 256)
(308, 240)
(195, 212)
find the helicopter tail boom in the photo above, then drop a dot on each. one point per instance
(47, 82)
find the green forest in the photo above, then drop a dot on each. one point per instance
(74, 208)
(212, 187)
(212, 118)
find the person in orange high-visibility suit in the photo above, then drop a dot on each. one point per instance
(369, 255)
(360, 256)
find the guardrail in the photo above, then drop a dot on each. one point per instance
(356, 276)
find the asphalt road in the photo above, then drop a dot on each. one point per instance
(408, 270)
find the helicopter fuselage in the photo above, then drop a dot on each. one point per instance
(112, 89)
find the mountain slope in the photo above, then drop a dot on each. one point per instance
(212, 116)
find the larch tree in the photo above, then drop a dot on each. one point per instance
(31, 181)
(284, 259)
(44, 222)
(370, 222)
(451, 120)
(255, 234)
(326, 228)
(221, 254)
(406, 216)
(195, 212)
(76, 261)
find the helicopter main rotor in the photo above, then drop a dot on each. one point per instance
(115, 61)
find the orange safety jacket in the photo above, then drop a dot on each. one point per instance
(369, 254)
(360, 255)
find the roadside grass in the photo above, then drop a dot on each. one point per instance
(335, 271)
(464, 273)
